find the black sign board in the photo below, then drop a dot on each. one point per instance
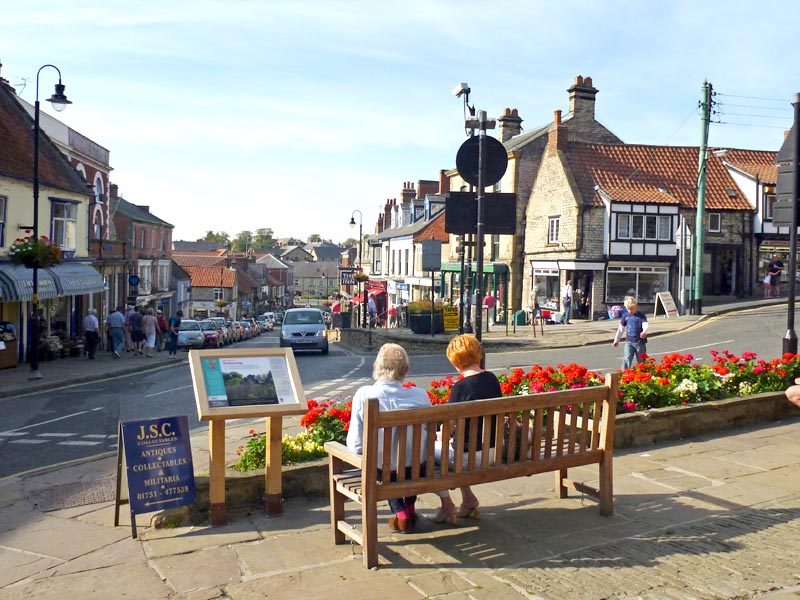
(495, 157)
(346, 275)
(155, 458)
(461, 213)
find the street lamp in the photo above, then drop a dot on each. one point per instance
(59, 102)
(360, 239)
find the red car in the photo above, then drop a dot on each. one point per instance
(212, 336)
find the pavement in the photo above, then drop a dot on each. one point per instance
(717, 516)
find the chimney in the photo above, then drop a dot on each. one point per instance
(409, 193)
(557, 135)
(379, 226)
(510, 124)
(114, 189)
(426, 187)
(444, 182)
(581, 99)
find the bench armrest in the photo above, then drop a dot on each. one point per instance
(342, 452)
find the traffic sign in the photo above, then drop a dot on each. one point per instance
(461, 213)
(495, 157)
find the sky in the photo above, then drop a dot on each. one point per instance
(238, 115)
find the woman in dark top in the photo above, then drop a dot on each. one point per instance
(465, 353)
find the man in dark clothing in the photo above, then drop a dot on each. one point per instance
(174, 326)
(135, 322)
(775, 269)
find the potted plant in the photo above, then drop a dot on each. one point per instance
(419, 317)
(42, 252)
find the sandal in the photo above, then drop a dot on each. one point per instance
(467, 512)
(441, 516)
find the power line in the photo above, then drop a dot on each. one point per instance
(752, 97)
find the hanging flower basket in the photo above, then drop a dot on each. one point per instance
(32, 253)
(360, 277)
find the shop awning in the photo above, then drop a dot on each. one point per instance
(16, 284)
(488, 267)
(75, 279)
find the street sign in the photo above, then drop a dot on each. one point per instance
(461, 213)
(782, 213)
(495, 157)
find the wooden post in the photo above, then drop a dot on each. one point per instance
(216, 483)
(272, 473)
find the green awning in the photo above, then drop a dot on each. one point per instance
(488, 267)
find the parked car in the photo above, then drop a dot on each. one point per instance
(222, 327)
(212, 334)
(249, 331)
(236, 335)
(256, 330)
(239, 331)
(304, 329)
(278, 317)
(265, 323)
(190, 335)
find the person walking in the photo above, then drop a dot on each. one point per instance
(633, 326)
(371, 310)
(174, 325)
(465, 353)
(128, 337)
(135, 322)
(150, 327)
(91, 332)
(389, 371)
(767, 284)
(566, 303)
(161, 332)
(116, 325)
(775, 269)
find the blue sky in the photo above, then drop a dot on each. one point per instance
(235, 115)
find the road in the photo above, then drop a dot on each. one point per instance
(78, 422)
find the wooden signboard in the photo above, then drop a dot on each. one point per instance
(667, 304)
(243, 383)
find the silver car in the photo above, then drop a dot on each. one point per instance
(190, 335)
(304, 329)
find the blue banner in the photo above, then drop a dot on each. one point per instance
(158, 460)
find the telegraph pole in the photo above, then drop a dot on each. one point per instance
(699, 234)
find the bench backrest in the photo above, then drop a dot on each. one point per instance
(562, 424)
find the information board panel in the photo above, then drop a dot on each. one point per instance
(667, 303)
(450, 318)
(240, 383)
(158, 463)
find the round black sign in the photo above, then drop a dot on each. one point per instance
(495, 156)
(133, 280)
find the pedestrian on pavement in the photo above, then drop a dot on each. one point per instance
(371, 310)
(150, 327)
(389, 370)
(135, 323)
(775, 269)
(91, 333)
(767, 284)
(633, 327)
(793, 393)
(174, 325)
(393, 316)
(116, 325)
(161, 332)
(465, 353)
(128, 339)
(489, 302)
(566, 303)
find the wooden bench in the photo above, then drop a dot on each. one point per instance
(566, 429)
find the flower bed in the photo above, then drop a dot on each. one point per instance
(678, 380)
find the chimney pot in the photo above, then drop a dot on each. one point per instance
(557, 117)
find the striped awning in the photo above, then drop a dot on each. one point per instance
(16, 284)
(66, 279)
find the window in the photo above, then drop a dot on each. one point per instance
(714, 222)
(553, 229)
(3, 202)
(142, 236)
(153, 239)
(769, 205)
(495, 251)
(406, 263)
(65, 224)
(219, 294)
(394, 254)
(644, 227)
(643, 282)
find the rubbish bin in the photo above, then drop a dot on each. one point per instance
(520, 317)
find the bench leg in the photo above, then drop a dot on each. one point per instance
(606, 486)
(337, 500)
(561, 489)
(369, 524)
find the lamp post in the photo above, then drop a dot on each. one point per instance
(59, 102)
(360, 239)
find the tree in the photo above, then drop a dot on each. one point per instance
(263, 238)
(350, 242)
(219, 237)
(242, 242)
(314, 237)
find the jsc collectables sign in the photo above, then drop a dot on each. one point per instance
(155, 459)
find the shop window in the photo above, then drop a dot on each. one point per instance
(547, 284)
(65, 224)
(714, 222)
(553, 228)
(641, 282)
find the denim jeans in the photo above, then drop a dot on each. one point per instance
(118, 339)
(632, 352)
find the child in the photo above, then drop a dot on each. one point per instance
(633, 325)
(767, 284)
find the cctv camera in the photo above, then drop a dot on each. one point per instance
(460, 90)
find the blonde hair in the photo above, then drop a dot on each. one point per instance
(630, 302)
(391, 364)
(463, 351)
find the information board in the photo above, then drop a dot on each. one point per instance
(154, 466)
(238, 383)
(450, 318)
(667, 303)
